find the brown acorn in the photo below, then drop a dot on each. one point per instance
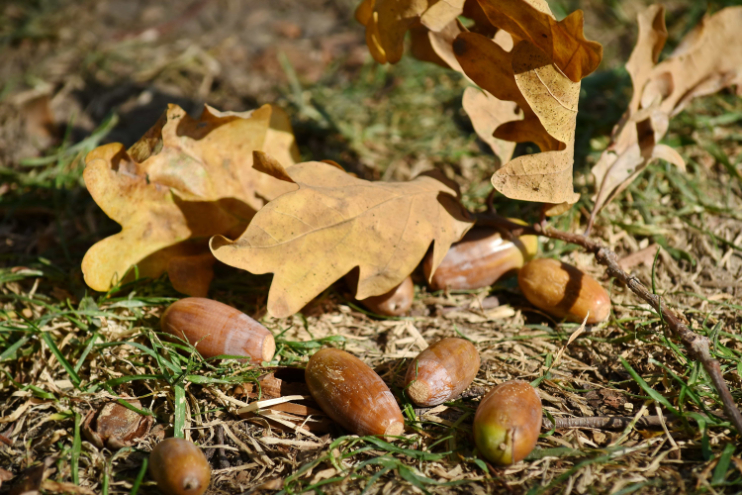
(441, 372)
(216, 329)
(352, 394)
(479, 260)
(396, 302)
(508, 422)
(564, 291)
(179, 467)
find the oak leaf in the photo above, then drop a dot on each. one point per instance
(436, 46)
(334, 222)
(184, 181)
(706, 60)
(563, 42)
(552, 49)
(548, 100)
(387, 22)
(440, 13)
(487, 113)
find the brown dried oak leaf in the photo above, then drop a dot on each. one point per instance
(311, 237)
(562, 42)
(486, 112)
(387, 21)
(548, 100)
(184, 181)
(115, 425)
(707, 60)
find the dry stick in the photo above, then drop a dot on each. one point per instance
(600, 422)
(697, 345)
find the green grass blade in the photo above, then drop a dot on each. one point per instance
(180, 411)
(140, 477)
(74, 377)
(656, 396)
(88, 347)
(721, 468)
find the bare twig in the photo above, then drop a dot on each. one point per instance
(697, 345)
(223, 461)
(601, 422)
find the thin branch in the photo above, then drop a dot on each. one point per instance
(601, 422)
(696, 345)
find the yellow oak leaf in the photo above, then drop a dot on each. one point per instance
(646, 53)
(548, 100)
(487, 113)
(334, 222)
(544, 177)
(440, 13)
(183, 182)
(491, 67)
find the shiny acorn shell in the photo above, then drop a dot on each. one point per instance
(441, 372)
(179, 467)
(564, 291)
(507, 422)
(217, 329)
(396, 302)
(479, 259)
(352, 394)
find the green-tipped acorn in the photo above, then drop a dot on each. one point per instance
(508, 422)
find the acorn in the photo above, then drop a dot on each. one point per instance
(564, 291)
(508, 422)
(479, 259)
(179, 467)
(217, 329)
(396, 302)
(352, 394)
(441, 372)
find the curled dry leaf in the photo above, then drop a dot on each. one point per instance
(548, 100)
(116, 426)
(387, 21)
(182, 182)
(707, 60)
(311, 237)
(440, 13)
(490, 66)
(487, 113)
(436, 46)
(540, 76)
(562, 42)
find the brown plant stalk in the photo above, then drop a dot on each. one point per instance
(696, 345)
(602, 422)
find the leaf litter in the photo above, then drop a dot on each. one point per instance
(255, 453)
